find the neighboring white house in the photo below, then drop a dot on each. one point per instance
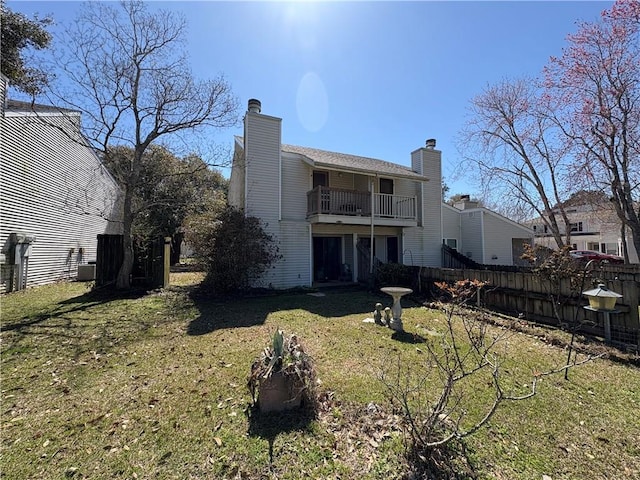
(594, 226)
(56, 195)
(326, 209)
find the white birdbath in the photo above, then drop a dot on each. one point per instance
(397, 293)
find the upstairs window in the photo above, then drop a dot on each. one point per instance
(386, 186)
(320, 179)
(576, 227)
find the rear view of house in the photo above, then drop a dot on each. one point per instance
(336, 215)
(56, 195)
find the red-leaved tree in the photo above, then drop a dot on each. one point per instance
(593, 90)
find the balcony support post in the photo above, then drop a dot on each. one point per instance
(372, 227)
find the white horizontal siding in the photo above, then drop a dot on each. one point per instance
(413, 252)
(404, 187)
(450, 223)
(360, 230)
(293, 269)
(432, 208)
(236, 196)
(341, 180)
(361, 183)
(498, 235)
(262, 157)
(421, 245)
(471, 241)
(348, 251)
(296, 181)
(53, 188)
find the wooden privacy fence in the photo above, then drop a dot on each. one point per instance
(526, 294)
(150, 267)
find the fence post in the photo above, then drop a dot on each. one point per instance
(167, 261)
(630, 291)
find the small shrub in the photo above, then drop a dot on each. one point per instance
(395, 274)
(235, 249)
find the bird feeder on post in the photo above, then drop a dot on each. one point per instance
(601, 299)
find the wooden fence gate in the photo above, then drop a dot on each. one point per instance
(150, 265)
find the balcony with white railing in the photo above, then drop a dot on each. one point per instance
(335, 205)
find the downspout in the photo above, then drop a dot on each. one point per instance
(280, 184)
(245, 167)
(422, 208)
(482, 239)
(441, 225)
(310, 255)
(354, 249)
(372, 224)
(461, 245)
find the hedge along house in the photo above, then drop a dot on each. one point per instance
(335, 215)
(56, 195)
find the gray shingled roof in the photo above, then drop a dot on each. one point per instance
(352, 163)
(20, 106)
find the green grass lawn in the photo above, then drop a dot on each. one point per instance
(154, 386)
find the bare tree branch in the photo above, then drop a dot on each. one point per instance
(127, 73)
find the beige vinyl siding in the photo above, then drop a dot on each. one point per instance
(417, 165)
(262, 183)
(341, 180)
(348, 253)
(236, 196)
(471, 238)
(404, 187)
(432, 207)
(293, 269)
(498, 235)
(423, 243)
(450, 223)
(412, 246)
(296, 181)
(361, 183)
(55, 189)
(360, 230)
(262, 156)
(380, 248)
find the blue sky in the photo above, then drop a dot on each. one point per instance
(368, 78)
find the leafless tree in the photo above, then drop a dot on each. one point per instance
(442, 402)
(124, 67)
(515, 147)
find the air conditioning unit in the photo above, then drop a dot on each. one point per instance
(86, 273)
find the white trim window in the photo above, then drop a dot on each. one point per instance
(451, 242)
